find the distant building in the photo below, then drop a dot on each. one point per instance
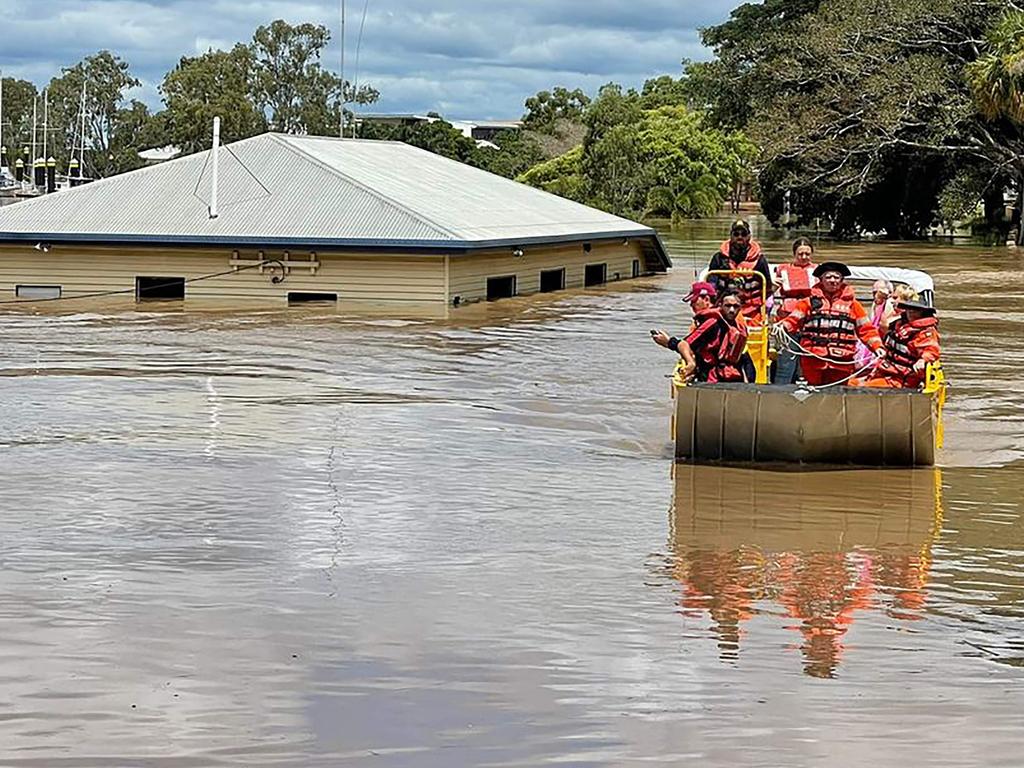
(351, 221)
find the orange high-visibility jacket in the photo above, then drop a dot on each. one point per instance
(794, 283)
(830, 326)
(905, 344)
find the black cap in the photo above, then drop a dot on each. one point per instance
(920, 306)
(832, 266)
(740, 227)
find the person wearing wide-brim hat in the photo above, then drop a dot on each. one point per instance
(911, 343)
(741, 252)
(830, 321)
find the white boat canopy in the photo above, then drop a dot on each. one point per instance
(920, 281)
(915, 278)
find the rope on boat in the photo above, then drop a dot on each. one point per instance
(124, 291)
(793, 346)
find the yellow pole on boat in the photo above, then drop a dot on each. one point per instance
(935, 385)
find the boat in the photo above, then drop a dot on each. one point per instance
(763, 423)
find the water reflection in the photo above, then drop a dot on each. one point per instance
(747, 543)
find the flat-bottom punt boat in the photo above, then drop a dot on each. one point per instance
(796, 423)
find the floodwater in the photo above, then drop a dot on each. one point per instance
(291, 538)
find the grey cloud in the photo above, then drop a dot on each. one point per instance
(459, 57)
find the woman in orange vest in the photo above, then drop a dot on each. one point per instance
(793, 282)
(829, 322)
(739, 252)
(911, 343)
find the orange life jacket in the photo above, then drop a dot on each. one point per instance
(748, 286)
(830, 329)
(901, 351)
(795, 284)
(721, 358)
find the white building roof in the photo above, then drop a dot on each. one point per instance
(305, 191)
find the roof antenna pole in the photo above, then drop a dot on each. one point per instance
(216, 159)
(1, 109)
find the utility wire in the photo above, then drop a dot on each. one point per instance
(123, 291)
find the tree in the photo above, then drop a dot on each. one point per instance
(862, 123)
(215, 84)
(664, 91)
(691, 168)
(437, 136)
(106, 78)
(560, 175)
(19, 96)
(546, 107)
(291, 88)
(516, 153)
(996, 81)
(655, 162)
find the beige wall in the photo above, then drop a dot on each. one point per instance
(467, 275)
(381, 278)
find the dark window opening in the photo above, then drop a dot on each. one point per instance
(303, 297)
(552, 280)
(595, 274)
(159, 288)
(586, 247)
(636, 267)
(501, 287)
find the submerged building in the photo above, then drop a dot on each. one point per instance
(298, 218)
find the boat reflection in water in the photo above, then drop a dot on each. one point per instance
(819, 548)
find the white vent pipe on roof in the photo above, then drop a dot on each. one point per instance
(216, 159)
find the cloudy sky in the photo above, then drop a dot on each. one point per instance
(463, 58)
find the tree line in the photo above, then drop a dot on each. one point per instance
(866, 116)
(881, 116)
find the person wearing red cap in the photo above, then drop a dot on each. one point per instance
(740, 252)
(714, 347)
(829, 322)
(911, 343)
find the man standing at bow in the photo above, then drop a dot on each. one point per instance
(740, 252)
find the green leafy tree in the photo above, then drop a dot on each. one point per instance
(545, 108)
(437, 136)
(516, 153)
(290, 86)
(215, 84)
(19, 95)
(861, 123)
(562, 175)
(106, 78)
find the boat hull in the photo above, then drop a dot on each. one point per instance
(842, 425)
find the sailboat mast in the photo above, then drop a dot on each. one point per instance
(341, 117)
(46, 118)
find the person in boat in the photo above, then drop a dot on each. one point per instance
(740, 252)
(881, 290)
(714, 348)
(793, 282)
(910, 344)
(829, 322)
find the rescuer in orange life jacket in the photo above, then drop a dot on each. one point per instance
(911, 343)
(713, 348)
(740, 252)
(829, 322)
(793, 282)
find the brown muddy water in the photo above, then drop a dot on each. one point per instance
(291, 538)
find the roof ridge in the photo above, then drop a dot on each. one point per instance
(284, 139)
